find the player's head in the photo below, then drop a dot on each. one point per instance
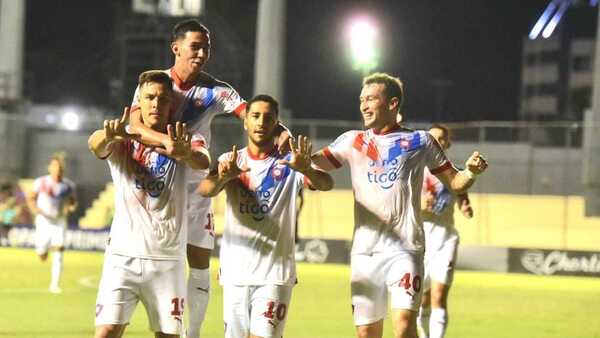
(442, 134)
(56, 166)
(261, 119)
(155, 94)
(191, 45)
(380, 100)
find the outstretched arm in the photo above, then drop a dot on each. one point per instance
(113, 131)
(218, 178)
(301, 162)
(461, 181)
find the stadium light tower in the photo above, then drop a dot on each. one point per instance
(363, 45)
(547, 22)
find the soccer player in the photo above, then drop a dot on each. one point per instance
(387, 163)
(441, 238)
(258, 269)
(145, 254)
(198, 98)
(52, 199)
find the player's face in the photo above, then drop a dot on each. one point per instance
(55, 168)
(260, 123)
(375, 107)
(155, 103)
(192, 51)
(441, 136)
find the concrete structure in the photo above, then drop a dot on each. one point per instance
(12, 33)
(556, 78)
(591, 144)
(270, 49)
(12, 130)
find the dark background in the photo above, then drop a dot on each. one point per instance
(474, 47)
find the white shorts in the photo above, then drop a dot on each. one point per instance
(48, 234)
(373, 276)
(260, 310)
(159, 284)
(201, 223)
(440, 253)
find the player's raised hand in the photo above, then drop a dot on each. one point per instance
(476, 163)
(178, 145)
(229, 169)
(115, 130)
(300, 154)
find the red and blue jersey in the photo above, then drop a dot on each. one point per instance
(150, 203)
(197, 104)
(442, 212)
(387, 175)
(260, 218)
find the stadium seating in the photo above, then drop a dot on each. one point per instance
(99, 214)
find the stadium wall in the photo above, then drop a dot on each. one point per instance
(317, 250)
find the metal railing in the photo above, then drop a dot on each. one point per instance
(532, 194)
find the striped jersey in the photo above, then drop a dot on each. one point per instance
(257, 247)
(197, 104)
(387, 175)
(51, 197)
(444, 200)
(150, 201)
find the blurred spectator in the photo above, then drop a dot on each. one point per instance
(13, 209)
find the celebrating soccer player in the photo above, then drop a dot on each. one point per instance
(198, 98)
(145, 254)
(387, 163)
(258, 267)
(441, 238)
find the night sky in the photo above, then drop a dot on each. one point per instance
(473, 46)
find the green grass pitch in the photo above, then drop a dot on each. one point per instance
(482, 304)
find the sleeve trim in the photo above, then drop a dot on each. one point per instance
(328, 155)
(239, 109)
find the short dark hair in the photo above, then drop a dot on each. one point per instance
(264, 98)
(393, 85)
(190, 25)
(156, 76)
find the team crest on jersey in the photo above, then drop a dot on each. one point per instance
(278, 173)
(257, 201)
(198, 103)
